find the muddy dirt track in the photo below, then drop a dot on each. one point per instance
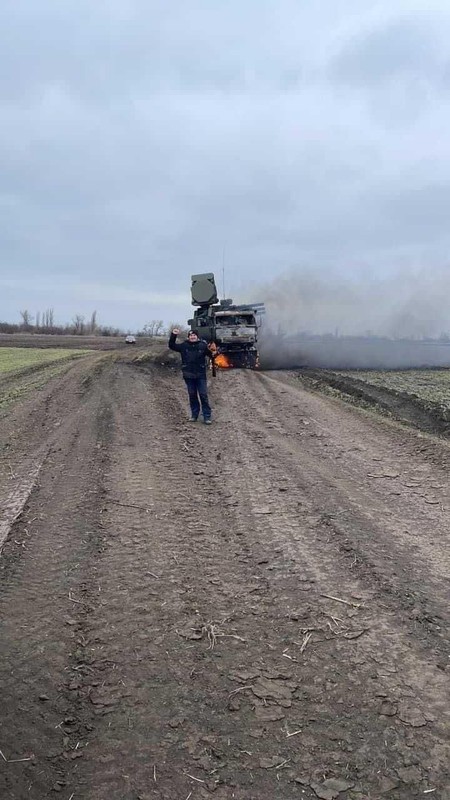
(253, 610)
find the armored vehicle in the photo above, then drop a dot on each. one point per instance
(233, 329)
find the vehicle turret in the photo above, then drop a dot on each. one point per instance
(232, 328)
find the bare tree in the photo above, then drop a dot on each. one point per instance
(27, 319)
(37, 323)
(182, 328)
(151, 328)
(78, 324)
(93, 322)
(48, 319)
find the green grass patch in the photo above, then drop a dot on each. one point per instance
(16, 359)
(25, 370)
(31, 383)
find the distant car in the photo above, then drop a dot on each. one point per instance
(130, 339)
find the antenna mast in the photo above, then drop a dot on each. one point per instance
(223, 273)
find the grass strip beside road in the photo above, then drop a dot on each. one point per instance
(431, 386)
(420, 397)
(15, 359)
(24, 370)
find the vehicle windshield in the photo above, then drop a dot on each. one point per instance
(235, 319)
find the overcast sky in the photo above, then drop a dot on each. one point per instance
(138, 140)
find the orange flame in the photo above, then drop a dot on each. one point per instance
(222, 361)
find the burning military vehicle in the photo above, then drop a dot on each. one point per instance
(232, 329)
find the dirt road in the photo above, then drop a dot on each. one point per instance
(253, 610)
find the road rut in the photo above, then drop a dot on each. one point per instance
(252, 610)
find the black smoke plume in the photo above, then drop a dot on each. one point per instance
(326, 320)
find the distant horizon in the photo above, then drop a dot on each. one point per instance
(306, 336)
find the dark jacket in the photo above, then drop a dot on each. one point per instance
(193, 356)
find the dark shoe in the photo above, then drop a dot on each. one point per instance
(208, 422)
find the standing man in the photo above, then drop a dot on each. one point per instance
(194, 352)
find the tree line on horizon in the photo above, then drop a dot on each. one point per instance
(44, 322)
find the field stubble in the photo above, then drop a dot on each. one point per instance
(420, 397)
(431, 386)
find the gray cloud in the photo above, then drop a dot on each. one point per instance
(408, 45)
(139, 138)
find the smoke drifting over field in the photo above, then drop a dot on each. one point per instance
(408, 304)
(350, 353)
(330, 321)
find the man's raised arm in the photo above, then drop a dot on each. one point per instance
(173, 341)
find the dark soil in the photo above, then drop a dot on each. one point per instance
(253, 610)
(400, 405)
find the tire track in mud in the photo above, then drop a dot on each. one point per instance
(399, 474)
(165, 635)
(279, 600)
(307, 508)
(14, 502)
(40, 567)
(346, 517)
(196, 641)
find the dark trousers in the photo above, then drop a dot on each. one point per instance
(198, 393)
